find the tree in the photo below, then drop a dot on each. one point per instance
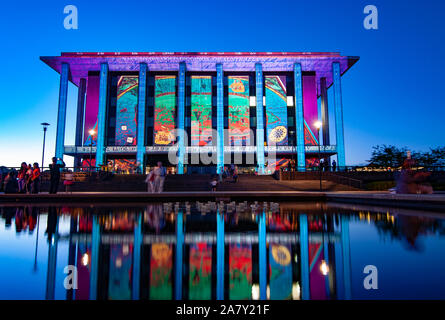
(391, 156)
(387, 156)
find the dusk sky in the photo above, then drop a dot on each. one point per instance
(393, 95)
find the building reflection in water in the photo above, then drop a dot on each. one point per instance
(211, 250)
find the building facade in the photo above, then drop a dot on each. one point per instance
(197, 112)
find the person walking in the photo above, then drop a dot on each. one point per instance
(68, 180)
(54, 170)
(235, 174)
(159, 172)
(334, 165)
(35, 179)
(21, 177)
(28, 179)
(149, 180)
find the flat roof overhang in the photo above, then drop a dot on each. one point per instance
(83, 62)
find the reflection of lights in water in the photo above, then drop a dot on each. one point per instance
(85, 259)
(118, 262)
(255, 291)
(324, 268)
(125, 249)
(296, 291)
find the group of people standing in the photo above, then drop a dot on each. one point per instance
(28, 178)
(25, 180)
(155, 179)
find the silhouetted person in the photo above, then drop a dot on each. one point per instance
(51, 223)
(334, 165)
(35, 178)
(11, 184)
(54, 170)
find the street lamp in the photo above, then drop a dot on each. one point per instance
(92, 132)
(45, 127)
(317, 125)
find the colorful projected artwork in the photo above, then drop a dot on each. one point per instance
(161, 265)
(310, 110)
(119, 282)
(239, 120)
(200, 280)
(126, 110)
(91, 110)
(276, 110)
(316, 278)
(165, 108)
(122, 165)
(280, 272)
(201, 110)
(240, 272)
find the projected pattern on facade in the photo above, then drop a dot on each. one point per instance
(239, 121)
(280, 272)
(201, 110)
(126, 110)
(161, 266)
(119, 283)
(276, 110)
(240, 272)
(200, 280)
(165, 107)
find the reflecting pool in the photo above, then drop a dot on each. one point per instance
(216, 250)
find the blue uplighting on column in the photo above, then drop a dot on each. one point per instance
(259, 118)
(179, 254)
(137, 258)
(52, 263)
(299, 117)
(338, 109)
(346, 254)
(141, 115)
(304, 258)
(101, 117)
(181, 117)
(339, 282)
(219, 118)
(95, 239)
(262, 252)
(220, 255)
(61, 113)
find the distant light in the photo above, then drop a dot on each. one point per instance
(255, 291)
(324, 268)
(296, 291)
(317, 124)
(85, 259)
(92, 132)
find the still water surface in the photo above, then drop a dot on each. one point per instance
(205, 250)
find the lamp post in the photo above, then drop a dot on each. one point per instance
(45, 127)
(317, 125)
(92, 132)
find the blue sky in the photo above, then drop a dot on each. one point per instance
(391, 96)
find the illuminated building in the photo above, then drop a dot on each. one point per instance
(237, 107)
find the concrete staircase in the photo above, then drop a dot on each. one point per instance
(200, 182)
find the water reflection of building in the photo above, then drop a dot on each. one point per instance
(253, 251)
